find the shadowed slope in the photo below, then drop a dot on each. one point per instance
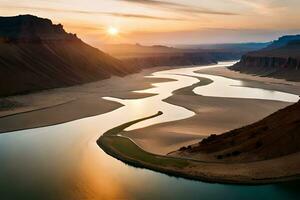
(35, 55)
(275, 136)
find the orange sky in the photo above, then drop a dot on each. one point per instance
(166, 22)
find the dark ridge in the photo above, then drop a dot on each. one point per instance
(28, 28)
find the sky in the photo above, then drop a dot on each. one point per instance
(164, 21)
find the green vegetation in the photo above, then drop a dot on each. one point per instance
(126, 150)
(118, 129)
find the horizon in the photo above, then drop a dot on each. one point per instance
(171, 23)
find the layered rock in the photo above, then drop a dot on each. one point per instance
(280, 60)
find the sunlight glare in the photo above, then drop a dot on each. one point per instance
(113, 31)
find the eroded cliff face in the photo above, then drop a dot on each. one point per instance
(280, 60)
(278, 67)
(249, 61)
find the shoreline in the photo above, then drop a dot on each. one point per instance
(60, 105)
(45, 106)
(211, 110)
(38, 109)
(111, 141)
(253, 80)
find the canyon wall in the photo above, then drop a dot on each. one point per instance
(280, 60)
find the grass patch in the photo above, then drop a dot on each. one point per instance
(126, 150)
(118, 129)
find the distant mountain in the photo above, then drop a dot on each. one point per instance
(283, 41)
(137, 50)
(281, 59)
(234, 47)
(159, 55)
(35, 54)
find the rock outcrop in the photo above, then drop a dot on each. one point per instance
(281, 59)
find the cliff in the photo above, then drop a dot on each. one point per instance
(281, 59)
(35, 54)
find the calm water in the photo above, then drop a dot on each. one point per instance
(64, 161)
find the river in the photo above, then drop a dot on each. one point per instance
(64, 161)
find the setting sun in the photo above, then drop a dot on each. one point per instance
(112, 31)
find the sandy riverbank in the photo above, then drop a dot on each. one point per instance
(213, 115)
(256, 81)
(262, 172)
(66, 104)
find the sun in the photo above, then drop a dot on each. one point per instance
(112, 31)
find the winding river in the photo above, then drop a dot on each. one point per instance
(64, 161)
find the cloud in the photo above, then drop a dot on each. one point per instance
(114, 14)
(179, 7)
(141, 16)
(263, 6)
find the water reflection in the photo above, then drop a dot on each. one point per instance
(224, 87)
(64, 162)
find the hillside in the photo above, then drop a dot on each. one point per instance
(157, 55)
(234, 47)
(263, 140)
(35, 54)
(281, 59)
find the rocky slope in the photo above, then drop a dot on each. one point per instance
(36, 54)
(275, 136)
(281, 59)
